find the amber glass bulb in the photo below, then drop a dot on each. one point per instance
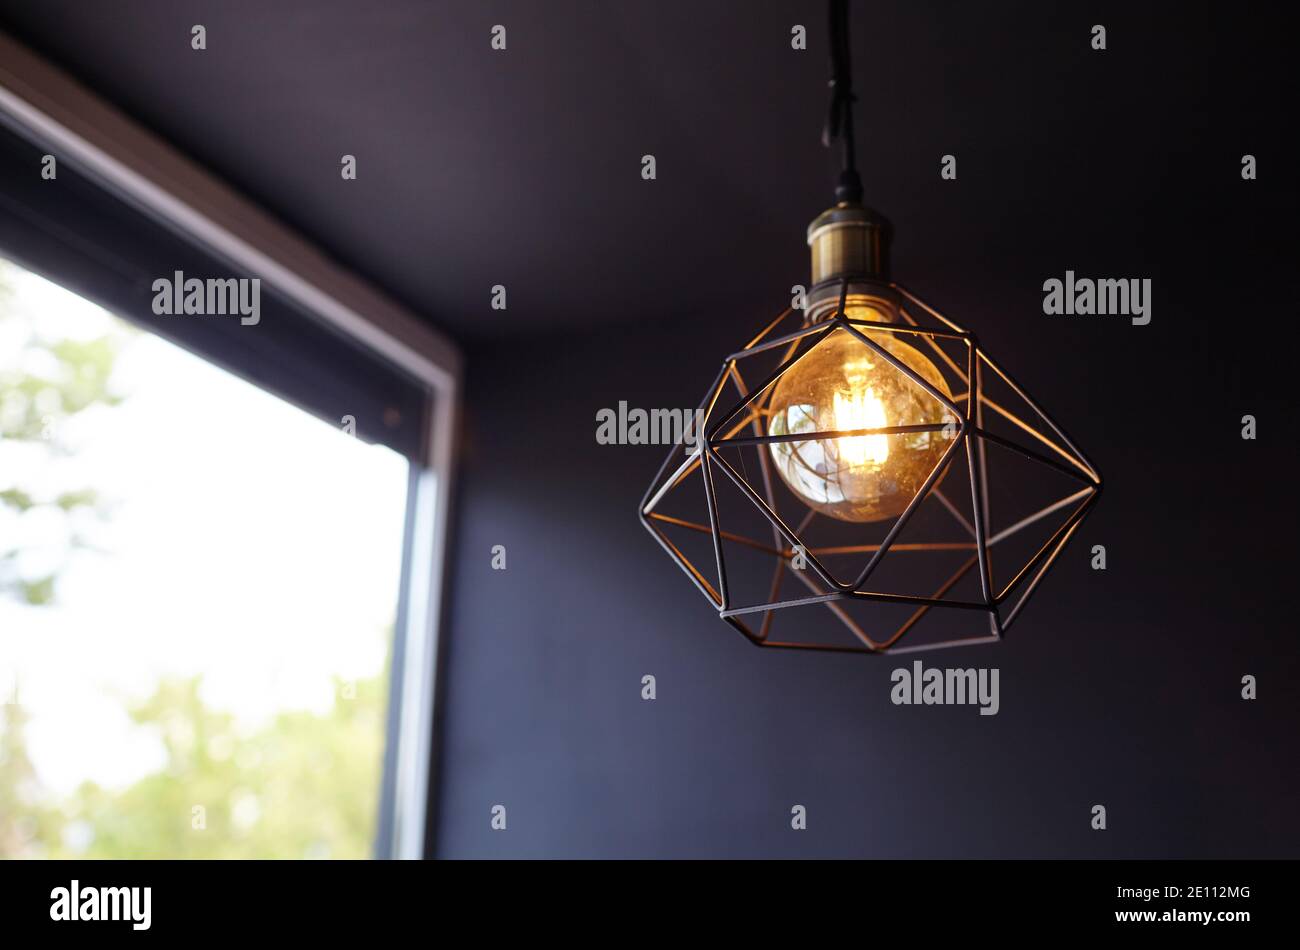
(844, 384)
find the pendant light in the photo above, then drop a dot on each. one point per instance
(862, 465)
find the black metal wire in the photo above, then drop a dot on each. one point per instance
(839, 121)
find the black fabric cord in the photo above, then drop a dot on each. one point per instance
(839, 121)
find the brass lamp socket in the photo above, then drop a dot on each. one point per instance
(847, 241)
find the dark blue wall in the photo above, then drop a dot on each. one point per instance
(1119, 688)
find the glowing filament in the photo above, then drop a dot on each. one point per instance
(861, 409)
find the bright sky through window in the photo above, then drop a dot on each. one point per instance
(237, 538)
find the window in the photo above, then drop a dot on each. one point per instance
(198, 591)
(220, 540)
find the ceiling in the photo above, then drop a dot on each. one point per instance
(523, 167)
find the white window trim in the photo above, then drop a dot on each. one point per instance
(55, 109)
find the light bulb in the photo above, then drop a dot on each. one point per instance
(843, 384)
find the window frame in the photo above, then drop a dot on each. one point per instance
(45, 105)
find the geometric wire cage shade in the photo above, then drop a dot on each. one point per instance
(956, 567)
